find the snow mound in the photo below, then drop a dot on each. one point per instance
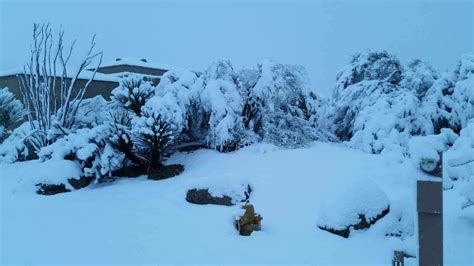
(26, 175)
(426, 150)
(358, 200)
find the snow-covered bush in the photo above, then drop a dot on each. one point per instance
(222, 103)
(16, 146)
(11, 112)
(463, 95)
(119, 125)
(373, 65)
(279, 104)
(449, 103)
(133, 93)
(358, 112)
(397, 108)
(419, 77)
(183, 87)
(460, 163)
(374, 88)
(89, 148)
(92, 112)
(156, 130)
(369, 77)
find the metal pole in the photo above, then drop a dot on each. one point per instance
(430, 222)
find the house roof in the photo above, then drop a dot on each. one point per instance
(85, 74)
(113, 70)
(137, 62)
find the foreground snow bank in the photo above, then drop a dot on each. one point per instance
(141, 221)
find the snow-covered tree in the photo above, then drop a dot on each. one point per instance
(360, 84)
(119, 124)
(184, 88)
(222, 103)
(133, 93)
(11, 109)
(373, 65)
(419, 77)
(463, 95)
(368, 91)
(156, 130)
(279, 104)
(50, 94)
(449, 102)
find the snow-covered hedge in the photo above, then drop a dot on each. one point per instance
(378, 106)
(227, 108)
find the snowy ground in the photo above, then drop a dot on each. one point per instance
(142, 221)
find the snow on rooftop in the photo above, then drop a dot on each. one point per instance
(86, 74)
(137, 62)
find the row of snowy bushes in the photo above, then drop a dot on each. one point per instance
(377, 105)
(222, 108)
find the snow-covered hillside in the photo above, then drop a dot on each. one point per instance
(138, 220)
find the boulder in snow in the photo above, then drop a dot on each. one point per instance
(166, 171)
(358, 206)
(51, 189)
(217, 195)
(81, 182)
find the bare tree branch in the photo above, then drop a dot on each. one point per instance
(50, 95)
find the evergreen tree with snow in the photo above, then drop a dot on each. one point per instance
(155, 131)
(133, 93)
(11, 110)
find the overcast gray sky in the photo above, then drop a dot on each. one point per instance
(320, 35)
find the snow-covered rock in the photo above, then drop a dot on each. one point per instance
(357, 205)
(219, 194)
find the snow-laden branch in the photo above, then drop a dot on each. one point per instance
(51, 96)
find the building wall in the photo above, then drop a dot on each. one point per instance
(96, 87)
(131, 69)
